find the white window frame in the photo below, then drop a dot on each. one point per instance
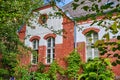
(92, 49)
(52, 47)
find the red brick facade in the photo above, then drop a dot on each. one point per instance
(21, 33)
(62, 50)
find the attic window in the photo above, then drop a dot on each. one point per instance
(43, 19)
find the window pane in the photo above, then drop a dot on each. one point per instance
(88, 39)
(48, 58)
(53, 50)
(89, 52)
(49, 40)
(96, 54)
(53, 42)
(95, 37)
(34, 59)
(48, 50)
(35, 44)
(53, 56)
(49, 44)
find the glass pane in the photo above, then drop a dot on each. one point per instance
(49, 40)
(89, 52)
(48, 58)
(35, 44)
(34, 59)
(53, 42)
(88, 39)
(95, 36)
(96, 54)
(49, 44)
(53, 50)
(48, 51)
(53, 56)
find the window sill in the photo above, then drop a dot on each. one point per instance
(34, 64)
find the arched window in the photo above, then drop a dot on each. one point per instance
(34, 56)
(50, 50)
(91, 38)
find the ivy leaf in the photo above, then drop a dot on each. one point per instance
(74, 5)
(102, 76)
(82, 2)
(85, 8)
(107, 36)
(100, 22)
(98, 42)
(92, 0)
(99, 0)
(118, 56)
(114, 49)
(76, 0)
(92, 74)
(114, 64)
(107, 61)
(81, 76)
(118, 61)
(115, 55)
(118, 37)
(114, 27)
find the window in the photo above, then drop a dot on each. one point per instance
(34, 56)
(50, 50)
(91, 38)
(35, 44)
(43, 19)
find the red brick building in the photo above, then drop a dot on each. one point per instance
(42, 36)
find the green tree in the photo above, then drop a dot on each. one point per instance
(13, 13)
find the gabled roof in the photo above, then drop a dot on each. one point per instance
(81, 12)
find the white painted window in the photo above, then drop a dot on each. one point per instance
(50, 50)
(34, 57)
(90, 40)
(35, 44)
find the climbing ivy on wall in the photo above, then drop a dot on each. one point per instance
(73, 65)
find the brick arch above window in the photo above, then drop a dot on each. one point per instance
(34, 38)
(90, 29)
(49, 35)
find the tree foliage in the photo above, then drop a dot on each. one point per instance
(97, 69)
(13, 13)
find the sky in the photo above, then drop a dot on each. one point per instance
(60, 4)
(64, 2)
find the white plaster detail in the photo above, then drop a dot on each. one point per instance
(39, 30)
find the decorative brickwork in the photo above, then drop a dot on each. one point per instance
(90, 29)
(49, 35)
(34, 38)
